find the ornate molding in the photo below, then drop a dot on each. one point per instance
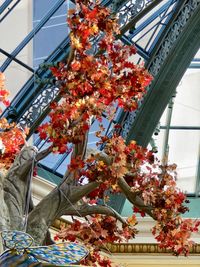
(59, 223)
(38, 106)
(127, 11)
(175, 30)
(144, 248)
(41, 187)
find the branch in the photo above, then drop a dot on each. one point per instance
(17, 183)
(41, 217)
(70, 57)
(42, 154)
(76, 194)
(53, 206)
(134, 198)
(79, 150)
(4, 214)
(86, 209)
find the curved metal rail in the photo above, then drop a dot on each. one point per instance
(168, 62)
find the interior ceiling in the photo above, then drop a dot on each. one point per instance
(167, 36)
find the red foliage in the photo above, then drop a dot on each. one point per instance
(89, 85)
(11, 137)
(99, 230)
(3, 92)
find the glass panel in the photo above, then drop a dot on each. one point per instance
(186, 110)
(183, 141)
(184, 150)
(52, 33)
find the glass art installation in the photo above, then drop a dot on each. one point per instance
(19, 252)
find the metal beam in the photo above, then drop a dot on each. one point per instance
(5, 5)
(30, 91)
(24, 100)
(189, 128)
(147, 22)
(159, 39)
(9, 10)
(165, 151)
(139, 16)
(140, 50)
(16, 60)
(31, 34)
(166, 81)
(197, 188)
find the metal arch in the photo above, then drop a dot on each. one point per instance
(180, 45)
(160, 37)
(143, 25)
(140, 15)
(30, 91)
(36, 29)
(160, 17)
(134, 31)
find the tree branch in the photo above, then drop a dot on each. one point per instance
(134, 198)
(70, 57)
(16, 184)
(4, 214)
(86, 209)
(79, 150)
(83, 190)
(41, 217)
(53, 206)
(75, 195)
(42, 154)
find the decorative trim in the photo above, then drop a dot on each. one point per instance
(175, 31)
(144, 248)
(59, 223)
(38, 105)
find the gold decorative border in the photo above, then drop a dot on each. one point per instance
(144, 248)
(129, 247)
(59, 223)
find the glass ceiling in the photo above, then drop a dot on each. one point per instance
(184, 131)
(183, 141)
